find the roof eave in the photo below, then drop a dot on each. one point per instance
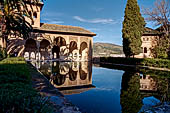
(54, 31)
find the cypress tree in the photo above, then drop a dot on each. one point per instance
(133, 28)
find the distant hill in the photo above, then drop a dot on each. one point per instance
(106, 49)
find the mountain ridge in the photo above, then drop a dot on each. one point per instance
(106, 49)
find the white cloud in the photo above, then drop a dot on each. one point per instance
(96, 20)
(56, 22)
(52, 21)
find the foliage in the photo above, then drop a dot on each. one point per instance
(130, 93)
(159, 14)
(133, 28)
(3, 53)
(161, 63)
(161, 50)
(16, 92)
(12, 18)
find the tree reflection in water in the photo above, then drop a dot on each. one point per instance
(135, 87)
(130, 97)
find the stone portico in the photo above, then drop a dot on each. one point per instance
(51, 41)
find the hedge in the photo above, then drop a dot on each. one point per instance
(161, 63)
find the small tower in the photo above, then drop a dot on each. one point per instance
(34, 12)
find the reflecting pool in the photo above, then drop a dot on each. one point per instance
(96, 89)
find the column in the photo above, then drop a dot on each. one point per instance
(78, 47)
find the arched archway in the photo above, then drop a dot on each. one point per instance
(44, 45)
(72, 75)
(58, 43)
(83, 51)
(83, 74)
(59, 79)
(72, 46)
(31, 48)
(73, 52)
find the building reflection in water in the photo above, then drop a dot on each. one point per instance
(68, 77)
(147, 83)
(135, 87)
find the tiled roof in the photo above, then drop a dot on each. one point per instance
(65, 29)
(150, 31)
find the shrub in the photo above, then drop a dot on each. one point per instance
(162, 63)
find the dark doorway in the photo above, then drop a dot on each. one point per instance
(145, 50)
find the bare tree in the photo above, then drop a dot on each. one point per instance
(160, 15)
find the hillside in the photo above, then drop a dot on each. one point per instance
(106, 49)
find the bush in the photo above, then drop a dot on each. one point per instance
(161, 63)
(16, 92)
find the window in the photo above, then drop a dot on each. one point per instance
(35, 15)
(145, 50)
(147, 39)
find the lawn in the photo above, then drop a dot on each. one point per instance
(16, 92)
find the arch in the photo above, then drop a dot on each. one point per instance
(72, 75)
(60, 41)
(83, 46)
(72, 46)
(83, 51)
(83, 75)
(31, 48)
(145, 50)
(44, 44)
(59, 79)
(30, 44)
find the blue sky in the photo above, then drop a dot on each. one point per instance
(103, 17)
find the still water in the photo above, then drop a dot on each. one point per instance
(96, 89)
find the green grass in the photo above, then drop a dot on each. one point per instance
(16, 92)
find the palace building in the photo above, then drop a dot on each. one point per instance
(149, 41)
(51, 41)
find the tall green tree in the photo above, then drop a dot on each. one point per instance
(130, 97)
(133, 28)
